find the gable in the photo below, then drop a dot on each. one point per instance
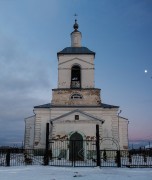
(76, 59)
(73, 115)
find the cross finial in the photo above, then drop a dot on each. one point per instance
(75, 15)
(75, 26)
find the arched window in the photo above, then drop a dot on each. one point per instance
(75, 76)
(76, 96)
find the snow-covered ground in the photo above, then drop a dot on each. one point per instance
(62, 173)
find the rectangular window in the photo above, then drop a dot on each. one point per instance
(76, 117)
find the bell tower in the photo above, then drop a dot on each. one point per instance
(76, 74)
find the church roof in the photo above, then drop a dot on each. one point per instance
(108, 106)
(76, 50)
(43, 106)
(49, 105)
(123, 118)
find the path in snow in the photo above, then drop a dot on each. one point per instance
(61, 173)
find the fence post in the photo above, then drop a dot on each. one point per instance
(73, 153)
(118, 159)
(98, 145)
(8, 157)
(46, 156)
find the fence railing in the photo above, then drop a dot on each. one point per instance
(75, 153)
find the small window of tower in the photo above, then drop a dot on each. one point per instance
(76, 96)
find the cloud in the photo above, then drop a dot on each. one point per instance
(140, 13)
(20, 70)
(24, 82)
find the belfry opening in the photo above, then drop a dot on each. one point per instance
(75, 76)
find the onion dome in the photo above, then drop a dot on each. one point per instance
(76, 26)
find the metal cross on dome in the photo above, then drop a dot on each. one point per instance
(75, 15)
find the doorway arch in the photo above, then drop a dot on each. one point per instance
(76, 151)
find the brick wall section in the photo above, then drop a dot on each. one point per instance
(63, 97)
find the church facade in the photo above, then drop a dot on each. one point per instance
(76, 106)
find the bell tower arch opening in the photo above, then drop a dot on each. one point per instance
(76, 76)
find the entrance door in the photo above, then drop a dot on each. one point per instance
(76, 147)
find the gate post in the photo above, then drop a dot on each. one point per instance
(118, 159)
(73, 153)
(46, 156)
(98, 145)
(8, 157)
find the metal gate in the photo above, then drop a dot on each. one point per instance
(73, 153)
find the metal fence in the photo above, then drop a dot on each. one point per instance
(76, 154)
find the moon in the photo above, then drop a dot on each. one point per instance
(146, 71)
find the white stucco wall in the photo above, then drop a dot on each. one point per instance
(42, 117)
(29, 132)
(85, 126)
(123, 133)
(76, 39)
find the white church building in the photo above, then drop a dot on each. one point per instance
(76, 106)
